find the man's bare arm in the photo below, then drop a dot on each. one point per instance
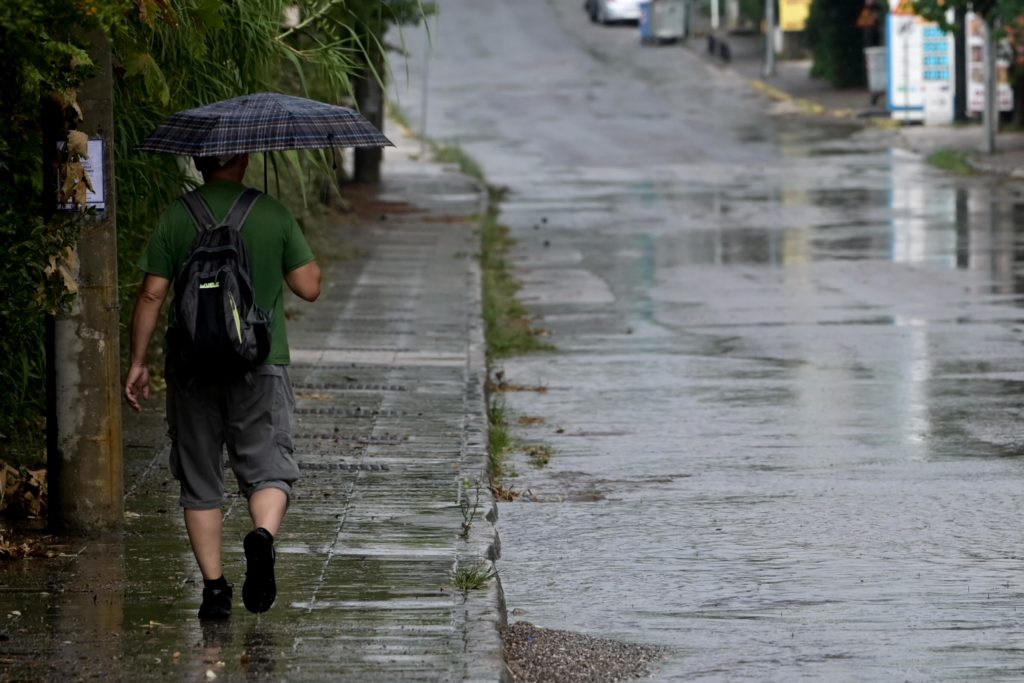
(305, 281)
(152, 293)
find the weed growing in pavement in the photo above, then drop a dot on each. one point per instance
(469, 509)
(954, 161)
(472, 577)
(539, 454)
(506, 494)
(507, 324)
(498, 440)
(453, 154)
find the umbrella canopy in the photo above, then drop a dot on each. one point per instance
(262, 122)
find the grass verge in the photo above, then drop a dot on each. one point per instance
(507, 325)
(472, 577)
(951, 160)
(498, 440)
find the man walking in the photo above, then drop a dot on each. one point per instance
(250, 415)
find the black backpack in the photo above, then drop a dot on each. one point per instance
(218, 332)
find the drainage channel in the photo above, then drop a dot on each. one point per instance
(342, 467)
(352, 412)
(346, 386)
(374, 440)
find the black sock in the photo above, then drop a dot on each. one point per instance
(216, 583)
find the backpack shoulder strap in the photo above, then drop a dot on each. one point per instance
(240, 210)
(199, 210)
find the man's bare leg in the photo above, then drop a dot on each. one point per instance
(205, 532)
(267, 508)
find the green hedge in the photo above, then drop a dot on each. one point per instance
(168, 55)
(836, 42)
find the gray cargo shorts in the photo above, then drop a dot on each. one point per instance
(251, 416)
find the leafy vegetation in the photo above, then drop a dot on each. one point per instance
(954, 161)
(498, 439)
(507, 323)
(836, 42)
(472, 577)
(167, 55)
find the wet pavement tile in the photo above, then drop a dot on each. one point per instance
(389, 393)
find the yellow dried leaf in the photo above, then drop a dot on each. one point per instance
(69, 279)
(70, 257)
(78, 144)
(68, 99)
(81, 198)
(67, 187)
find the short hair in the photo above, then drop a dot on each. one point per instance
(207, 164)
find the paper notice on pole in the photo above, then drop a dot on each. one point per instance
(94, 168)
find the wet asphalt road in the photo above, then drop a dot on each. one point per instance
(785, 406)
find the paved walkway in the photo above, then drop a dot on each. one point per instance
(389, 375)
(795, 91)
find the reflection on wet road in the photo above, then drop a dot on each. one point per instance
(785, 406)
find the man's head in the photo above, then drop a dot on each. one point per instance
(224, 167)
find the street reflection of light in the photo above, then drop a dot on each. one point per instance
(911, 389)
(923, 215)
(924, 230)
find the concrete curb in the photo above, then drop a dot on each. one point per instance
(485, 611)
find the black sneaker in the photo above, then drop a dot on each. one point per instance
(259, 589)
(216, 604)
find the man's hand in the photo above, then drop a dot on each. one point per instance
(136, 386)
(152, 293)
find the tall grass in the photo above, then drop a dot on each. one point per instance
(507, 322)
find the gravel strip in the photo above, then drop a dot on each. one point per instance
(539, 655)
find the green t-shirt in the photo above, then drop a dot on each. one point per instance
(276, 246)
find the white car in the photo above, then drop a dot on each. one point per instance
(608, 11)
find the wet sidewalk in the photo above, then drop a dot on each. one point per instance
(795, 91)
(389, 370)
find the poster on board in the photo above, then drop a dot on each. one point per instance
(974, 58)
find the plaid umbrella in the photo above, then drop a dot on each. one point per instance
(262, 122)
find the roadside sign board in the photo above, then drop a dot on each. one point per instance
(921, 74)
(793, 14)
(974, 58)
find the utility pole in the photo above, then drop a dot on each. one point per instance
(84, 459)
(370, 100)
(769, 38)
(990, 115)
(960, 62)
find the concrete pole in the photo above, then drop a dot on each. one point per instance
(370, 99)
(85, 458)
(714, 15)
(424, 96)
(769, 38)
(960, 61)
(990, 115)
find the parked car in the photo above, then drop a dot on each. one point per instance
(609, 11)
